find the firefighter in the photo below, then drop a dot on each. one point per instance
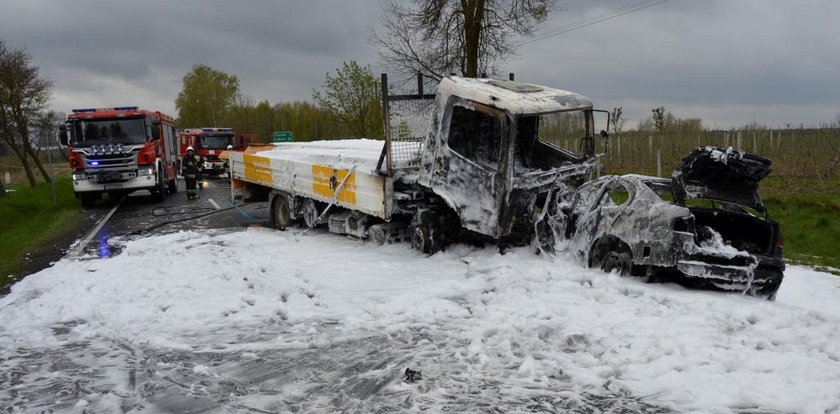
(191, 169)
(227, 161)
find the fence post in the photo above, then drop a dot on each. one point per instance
(658, 163)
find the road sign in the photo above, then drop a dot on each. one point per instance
(282, 136)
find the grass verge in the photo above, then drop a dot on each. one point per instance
(28, 218)
(810, 227)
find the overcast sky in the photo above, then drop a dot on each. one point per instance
(728, 62)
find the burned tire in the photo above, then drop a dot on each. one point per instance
(770, 288)
(376, 234)
(281, 213)
(622, 262)
(426, 232)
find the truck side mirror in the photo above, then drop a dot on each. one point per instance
(155, 122)
(62, 135)
(605, 142)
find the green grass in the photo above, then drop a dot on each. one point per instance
(28, 218)
(811, 227)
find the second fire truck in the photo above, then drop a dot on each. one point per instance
(210, 143)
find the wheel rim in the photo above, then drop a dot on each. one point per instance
(281, 213)
(615, 261)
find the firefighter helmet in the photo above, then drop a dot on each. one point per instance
(230, 147)
(190, 148)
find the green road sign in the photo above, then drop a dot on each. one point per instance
(282, 136)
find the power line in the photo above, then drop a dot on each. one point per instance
(611, 14)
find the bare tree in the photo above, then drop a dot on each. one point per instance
(438, 37)
(616, 120)
(23, 96)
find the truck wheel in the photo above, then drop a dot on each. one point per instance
(89, 199)
(376, 234)
(309, 211)
(281, 215)
(621, 262)
(426, 232)
(159, 192)
(172, 185)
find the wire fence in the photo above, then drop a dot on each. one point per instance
(794, 153)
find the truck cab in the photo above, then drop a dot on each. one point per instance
(498, 154)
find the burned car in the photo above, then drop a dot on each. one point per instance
(706, 227)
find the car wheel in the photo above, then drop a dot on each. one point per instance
(426, 232)
(282, 214)
(621, 262)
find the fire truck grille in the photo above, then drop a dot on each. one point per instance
(123, 159)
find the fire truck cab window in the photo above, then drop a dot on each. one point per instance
(155, 130)
(108, 131)
(476, 136)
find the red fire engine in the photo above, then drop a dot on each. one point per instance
(210, 143)
(120, 150)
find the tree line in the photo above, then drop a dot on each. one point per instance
(347, 106)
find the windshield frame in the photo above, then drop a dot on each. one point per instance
(577, 150)
(230, 139)
(79, 129)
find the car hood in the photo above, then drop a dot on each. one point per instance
(721, 174)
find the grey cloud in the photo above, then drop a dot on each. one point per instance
(731, 61)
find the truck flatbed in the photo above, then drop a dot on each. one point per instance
(316, 169)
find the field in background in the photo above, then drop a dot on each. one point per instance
(795, 153)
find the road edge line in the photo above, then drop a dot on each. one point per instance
(81, 246)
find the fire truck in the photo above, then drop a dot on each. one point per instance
(212, 142)
(120, 150)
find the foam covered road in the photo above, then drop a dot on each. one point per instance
(200, 319)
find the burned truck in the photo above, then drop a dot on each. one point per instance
(705, 227)
(480, 159)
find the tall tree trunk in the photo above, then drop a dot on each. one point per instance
(2, 188)
(473, 20)
(27, 149)
(39, 164)
(24, 161)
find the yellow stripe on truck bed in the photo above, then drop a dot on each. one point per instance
(326, 179)
(257, 169)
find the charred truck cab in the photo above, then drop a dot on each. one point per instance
(497, 157)
(120, 150)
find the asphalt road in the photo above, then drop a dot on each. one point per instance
(138, 216)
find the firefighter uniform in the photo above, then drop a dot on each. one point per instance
(191, 167)
(226, 163)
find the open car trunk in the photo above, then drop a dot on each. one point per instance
(721, 174)
(739, 230)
